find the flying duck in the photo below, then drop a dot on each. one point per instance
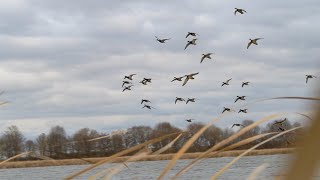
(192, 34)
(179, 99)
(206, 56)
(148, 106)
(193, 42)
(189, 120)
(190, 100)
(279, 122)
(308, 77)
(127, 88)
(162, 40)
(125, 82)
(129, 77)
(253, 41)
(177, 78)
(189, 76)
(237, 125)
(240, 98)
(145, 101)
(226, 109)
(147, 80)
(245, 83)
(226, 82)
(243, 111)
(241, 11)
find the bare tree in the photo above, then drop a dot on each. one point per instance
(57, 141)
(137, 135)
(81, 138)
(12, 141)
(42, 144)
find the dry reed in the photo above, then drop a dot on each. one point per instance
(108, 159)
(222, 170)
(14, 157)
(232, 146)
(257, 171)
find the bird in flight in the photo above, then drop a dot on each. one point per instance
(148, 106)
(237, 125)
(308, 77)
(178, 99)
(145, 101)
(226, 82)
(143, 82)
(129, 77)
(192, 34)
(162, 40)
(243, 111)
(226, 109)
(279, 122)
(193, 42)
(147, 80)
(245, 83)
(253, 41)
(241, 11)
(189, 120)
(190, 100)
(127, 88)
(125, 82)
(206, 56)
(177, 78)
(189, 76)
(281, 129)
(240, 98)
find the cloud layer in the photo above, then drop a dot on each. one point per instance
(63, 62)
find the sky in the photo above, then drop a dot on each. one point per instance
(63, 62)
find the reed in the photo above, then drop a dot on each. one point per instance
(222, 170)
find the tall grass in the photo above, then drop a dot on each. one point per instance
(222, 170)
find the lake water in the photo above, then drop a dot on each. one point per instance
(152, 169)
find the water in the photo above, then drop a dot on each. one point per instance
(151, 169)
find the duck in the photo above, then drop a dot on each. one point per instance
(143, 82)
(148, 106)
(179, 99)
(240, 98)
(226, 82)
(192, 34)
(193, 42)
(127, 88)
(243, 111)
(226, 109)
(189, 76)
(309, 77)
(241, 11)
(129, 77)
(125, 82)
(189, 120)
(245, 83)
(162, 40)
(253, 41)
(147, 80)
(177, 78)
(145, 101)
(208, 55)
(237, 125)
(190, 100)
(279, 122)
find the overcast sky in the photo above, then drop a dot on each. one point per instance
(63, 62)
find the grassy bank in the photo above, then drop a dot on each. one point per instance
(42, 163)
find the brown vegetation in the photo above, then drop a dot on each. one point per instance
(63, 162)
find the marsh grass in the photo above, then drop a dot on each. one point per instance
(222, 170)
(127, 151)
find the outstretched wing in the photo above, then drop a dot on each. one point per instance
(202, 58)
(233, 125)
(236, 100)
(307, 79)
(187, 45)
(185, 81)
(229, 80)
(249, 44)
(194, 74)
(187, 35)
(235, 12)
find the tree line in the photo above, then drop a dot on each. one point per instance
(91, 143)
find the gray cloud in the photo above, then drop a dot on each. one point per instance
(63, 62)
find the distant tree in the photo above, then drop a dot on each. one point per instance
(57, 140)
(137, 135)
(42, 144)
(162, 129)
(30, 145)
(81, 138)
(12, 141)
(117, 143)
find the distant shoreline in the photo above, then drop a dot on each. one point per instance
(84, 161)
